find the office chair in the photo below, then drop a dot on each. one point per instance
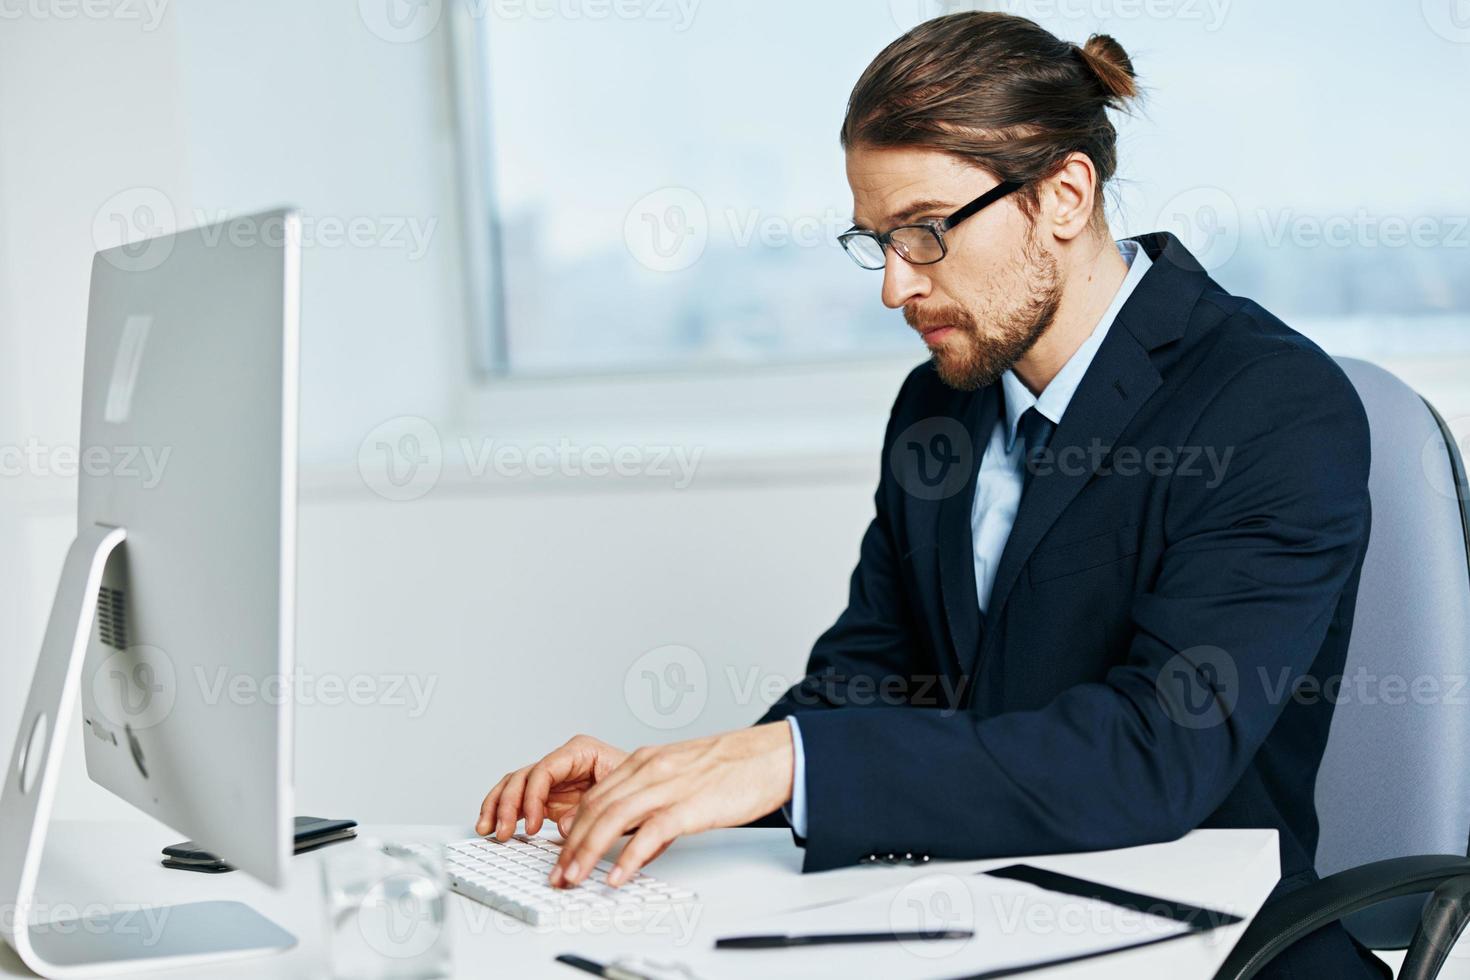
(1393, 793)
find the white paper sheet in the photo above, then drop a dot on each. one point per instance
(1014, 924)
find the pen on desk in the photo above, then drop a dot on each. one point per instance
(832, 938)
(597, 969)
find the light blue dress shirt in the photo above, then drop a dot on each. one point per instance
(998, 486)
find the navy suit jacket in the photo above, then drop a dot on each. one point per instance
(1135, 675)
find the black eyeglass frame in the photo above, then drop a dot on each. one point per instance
(935, 226)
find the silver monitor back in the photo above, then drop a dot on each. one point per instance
(189, 412)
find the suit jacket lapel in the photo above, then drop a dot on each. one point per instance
(1120, 379)
(956, 539)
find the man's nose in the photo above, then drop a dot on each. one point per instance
(902, 283)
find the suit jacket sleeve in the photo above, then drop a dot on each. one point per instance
(1250, 577)
(871, 640)
(871, 644)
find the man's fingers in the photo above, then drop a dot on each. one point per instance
(608, 786)
(527, 791)
(597, 800)
(652, 839)
(595, 831)
(562, 770)
(538, 788)
(509, 810)
(642, 770)
(593, 835)
(487, 808)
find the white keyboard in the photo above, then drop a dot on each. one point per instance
(512, 878)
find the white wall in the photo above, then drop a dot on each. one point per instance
(529, 609)
(86, 109)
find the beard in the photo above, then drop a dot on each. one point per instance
(974, 356)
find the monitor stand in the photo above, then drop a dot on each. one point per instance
(158, 938)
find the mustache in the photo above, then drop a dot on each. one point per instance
(942, 316)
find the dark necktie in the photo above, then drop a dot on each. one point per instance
(1034, 430)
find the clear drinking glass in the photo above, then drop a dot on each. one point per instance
(386, 905)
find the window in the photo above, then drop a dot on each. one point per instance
(666, 186)
(664, 180)
(1284, 146)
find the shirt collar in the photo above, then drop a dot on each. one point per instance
(1055, 396)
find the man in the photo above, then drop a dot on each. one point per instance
(1119, 508)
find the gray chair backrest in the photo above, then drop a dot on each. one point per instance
(1395, 779)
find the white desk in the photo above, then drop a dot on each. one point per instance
(739, 874)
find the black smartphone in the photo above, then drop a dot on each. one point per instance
(311, 833)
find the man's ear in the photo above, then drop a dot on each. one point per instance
(1067, 197)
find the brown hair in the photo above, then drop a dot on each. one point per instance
(998, 90)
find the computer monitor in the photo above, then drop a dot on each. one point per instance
(174, 620)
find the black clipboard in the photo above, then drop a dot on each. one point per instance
(1199, 920)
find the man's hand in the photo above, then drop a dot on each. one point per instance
(553, 787)
(683, 788)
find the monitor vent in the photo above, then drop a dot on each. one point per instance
(112, 627)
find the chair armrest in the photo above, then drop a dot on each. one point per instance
(1299, 913)
(1445, 917)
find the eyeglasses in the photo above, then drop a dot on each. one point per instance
(921, 243)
